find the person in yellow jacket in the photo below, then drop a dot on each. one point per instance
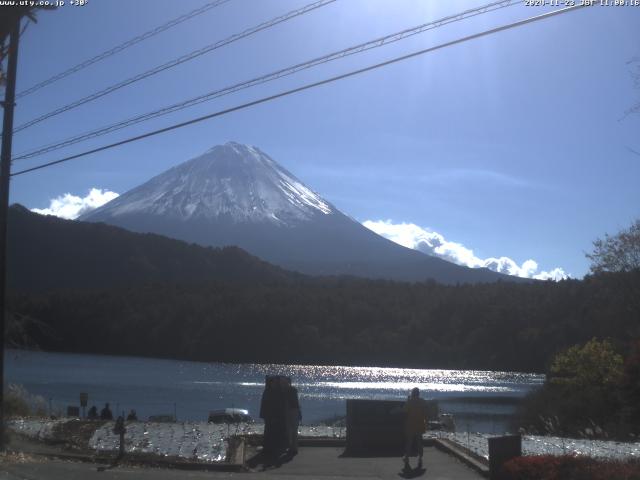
(415, 425)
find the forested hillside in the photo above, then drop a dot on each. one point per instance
(341, 321)
(101, 289)
(48, 253)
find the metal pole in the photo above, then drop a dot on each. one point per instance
(5, 171)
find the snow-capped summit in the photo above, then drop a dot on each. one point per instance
(235, 194)
(235, 181)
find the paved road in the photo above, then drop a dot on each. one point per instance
(312, 463)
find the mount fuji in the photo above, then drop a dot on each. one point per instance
(235, 194)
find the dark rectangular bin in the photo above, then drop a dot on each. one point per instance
(502, 449)
(375, 427)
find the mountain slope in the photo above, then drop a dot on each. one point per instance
(235, 182)
(85, 255)
(235, 194)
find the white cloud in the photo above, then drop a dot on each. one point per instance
(413, 236)
(71, 206)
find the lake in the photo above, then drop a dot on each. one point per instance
(481, 401)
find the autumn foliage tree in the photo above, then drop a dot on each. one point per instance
(617, 253)
(620, 253)
(591, 390)
(595, 363)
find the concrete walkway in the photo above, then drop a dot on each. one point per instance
(311, 463)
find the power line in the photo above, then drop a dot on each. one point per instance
(123, 46)
(306, 87)
(378, 42)
(177, 61)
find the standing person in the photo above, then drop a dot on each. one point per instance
(281, 419)
(119, 429)
(268, 406)
(294, 416)
(415, 425)
(105, 413)
(93, 413)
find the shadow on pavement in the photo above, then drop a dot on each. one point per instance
(377, 454)
(263, 461)
(412, 473)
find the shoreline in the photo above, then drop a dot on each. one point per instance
(483, 400)
(271, 364)
(203, 443)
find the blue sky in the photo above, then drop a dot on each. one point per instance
(512, 145)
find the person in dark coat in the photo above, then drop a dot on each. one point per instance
(294, 416)
(281, 433)
(268, 407)
(105, 413)
(92, 414)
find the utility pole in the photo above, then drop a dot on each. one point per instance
(5, 172)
